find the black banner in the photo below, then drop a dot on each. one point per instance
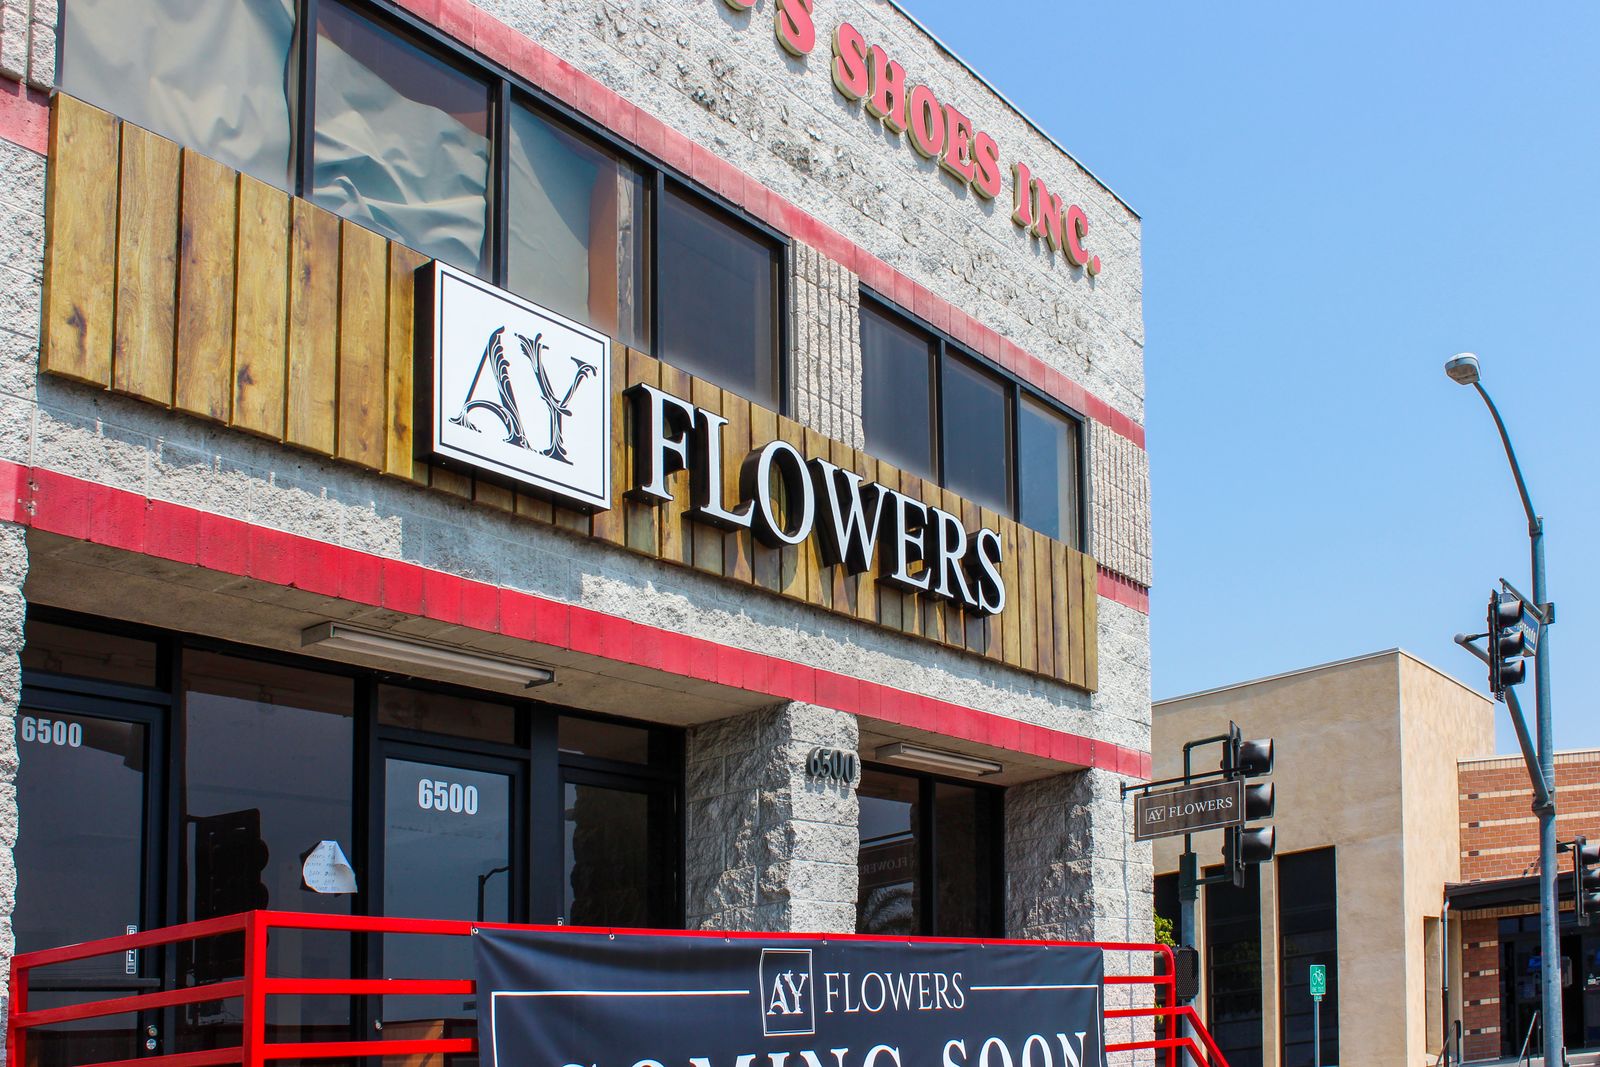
(570, 999)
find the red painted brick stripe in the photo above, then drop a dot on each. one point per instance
(24, 116)
(87, 511)
(510, 49)
(1124, 591)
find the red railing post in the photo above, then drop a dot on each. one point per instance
(16, 1036)
(254, 1039)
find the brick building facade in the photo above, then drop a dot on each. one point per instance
(1499, 847)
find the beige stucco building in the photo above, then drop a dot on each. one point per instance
(1367, 837)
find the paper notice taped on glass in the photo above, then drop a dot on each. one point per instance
(326, 870)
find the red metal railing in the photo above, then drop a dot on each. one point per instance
(256, 985)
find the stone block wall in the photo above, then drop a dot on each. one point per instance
(767, 847)
(13, 572)
(825, 335)
(28, 41)
(1119, 503)
(1074, 873)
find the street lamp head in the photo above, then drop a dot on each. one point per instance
(1463, 368)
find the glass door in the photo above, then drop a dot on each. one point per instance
(85, 787)
(451, 849)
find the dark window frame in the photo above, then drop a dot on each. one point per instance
(1286, 979)
(1225, 905)
(545, 768)
(778, 244)
(507, 89)
(928, 845)
(947, 348)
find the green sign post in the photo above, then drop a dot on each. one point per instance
(1319, 989)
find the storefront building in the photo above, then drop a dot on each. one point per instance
(667, 465)
(1407, 865)
(1368, 839)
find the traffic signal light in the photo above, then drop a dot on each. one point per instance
(1246, 759)
(1507, 644)
(1244, 845)
(1186, 973)
(1585, 878)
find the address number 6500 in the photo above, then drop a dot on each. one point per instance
(434, 795)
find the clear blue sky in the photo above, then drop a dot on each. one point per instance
(1336, 200)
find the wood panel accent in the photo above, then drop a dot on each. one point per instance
(207, 222)
(738, 552)
(363, 342)
(143, 352)
(312, 420)
(609, 525)
(261, 294)
(81, 253)
(171, 277)
(643, 521)
(705, 540)
(398, 445)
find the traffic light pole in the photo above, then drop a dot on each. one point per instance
(1549, 940)
(1549, 937)
(1189, 863)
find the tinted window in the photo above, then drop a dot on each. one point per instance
(718, 299)
(619, 849)
(1233, 961)
(578, 227)
(897, 392)
(80, 784)
(977, 439)
(266, 755)
(438, 713)
(208, 75)
(402, 140)
(446, 855)
(1308, 932)
(964, 867)
(914, 829)
(888, 901)
(1047, 471)
(49, 646)
(604, 740)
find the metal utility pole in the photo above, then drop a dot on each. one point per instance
(1464, 370)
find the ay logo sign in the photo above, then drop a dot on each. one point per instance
(513, 389)
(788, 1004)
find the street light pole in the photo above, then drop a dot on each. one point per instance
(1464, 370)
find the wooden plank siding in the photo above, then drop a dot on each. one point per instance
(174, 279)
(312, 420)
(143, 351)
(204, 325)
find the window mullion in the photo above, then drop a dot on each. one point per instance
(936, 409)
(1013, 446)
(929, 850)
(306, 97)
(500, 184)
(658, 201)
